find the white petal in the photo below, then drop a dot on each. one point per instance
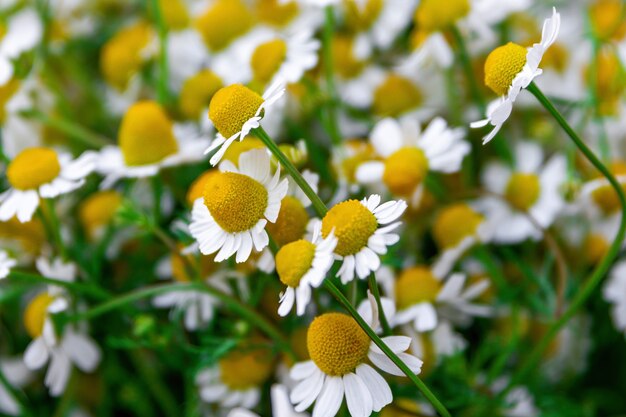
(358, 397)
(377, 386)
(330, 398)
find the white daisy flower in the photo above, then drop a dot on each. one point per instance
(614, 293)
(281, 407)
(357, 226)
(237, 204)
(6, 263)
(532, 188)
(511, 68)
(236, 380)
(408, 155)
(41, 173)
(148, 142)
(301, 265)
(422, 298)
(339, 351)
(72, 347)
(284, 58)
(61, 271)
(236, 110)
(23, 33)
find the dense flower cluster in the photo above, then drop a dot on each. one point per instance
(295, 207)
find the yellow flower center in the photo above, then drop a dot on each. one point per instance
(6, 93)
(405, 170)
(434, 16)
(594, 248)
(241, 370)
(267, 59)
(30, 235)
(197, 92)
(523, 190)
(344, 61)
(337, 344)
(358, 152)
(607, 19)
(174, 14)
(353, 224)
(236, 201)
(403, 407)
(502, 66)
(98, 209)
(293, 261)
(297, 340)
(454, 223)
(231, 107)
(359, 16)
(146, 135)
(416, 285)
(121, 56)
(605, 196)
(610, 82)
(396, 95)
(556, 58)
(36, 313)
(33, 167)
(274, 13)
(237, 148)
(224, 22)
(196, 190)
(291, 222)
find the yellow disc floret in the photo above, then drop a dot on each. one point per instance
(267, 59)
(235, 150)
(361, 15)
(174, 14)
(231, 107)
(433, 15)
(607, 19)
(241, 370)
(345, 63)
(236, 201)
(293, 261)
(35, 314)
(197, 92)
(336, 343)
(502, 66)
(224, 22)
(6, 92)
(274, 13)
(98, 209)
(30, 236)
(353, 224)
(291, 222)
(33, 167)
(605, 196)
(405, 170)
(196, 190)
(146, 135)
(454, 223)
(523, 190)
(416, 285)
(395, 96)
(595, 247)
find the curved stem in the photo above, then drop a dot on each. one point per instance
(77, 287)
(600, 270)
(327, 39)
(373, 285)
(383, 346)
(162, 88)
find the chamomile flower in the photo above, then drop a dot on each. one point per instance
(96, 212)
(41, 172)
(148, 141)
(237, 204)
(614, 293)
(236, 110)
(71, 347)
(301, 265)
(422, 297)
(6, 263)
(532, 188)
(511, 68)
(284, 58)
(408, 155)
(236, 379)
(23, 33)
(598, 195)
(281, 407)
(363, 230)
(339, 351)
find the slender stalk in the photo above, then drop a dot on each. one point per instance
(383, 346)
(381, 313)
(327, 51)
(466, 63)
(55, 227)
(71, 129)
(87, 290)
(601, 269)
(162, 89)
(160, 392)
(318, 204)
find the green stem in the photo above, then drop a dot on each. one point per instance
(161, 394)
(157, 193)
(469, 71)
(327, 51)
(55, 228)
(601, 269)
(383, 346)
(87, 290)
(231, 302)
(318, 204)
(162, 88)
(381, 313)
(72, 130)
